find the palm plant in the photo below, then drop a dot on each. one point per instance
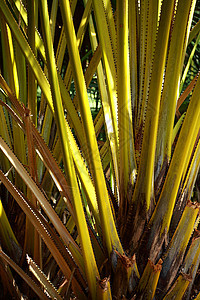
(82, 216)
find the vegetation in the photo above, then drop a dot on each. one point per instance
(99, 205)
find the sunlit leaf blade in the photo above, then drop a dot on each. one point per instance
(143, 192)
(127, 163)
(109, 122)
(179, 287)
(11, 73)
(89, 259)
(107, 45)
(109, 229)
(28, 53)
(172, 79)
(149, 280)
(180, 158)
(32, 85)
